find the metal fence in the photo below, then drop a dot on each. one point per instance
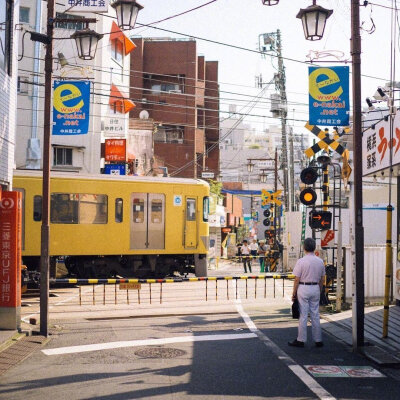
(215, 288)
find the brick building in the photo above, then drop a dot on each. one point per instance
(180, 91)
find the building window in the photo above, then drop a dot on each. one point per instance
(62, 156)
(24, 15)
(165, 87)
(117, 51)
(6, 13)
(74, 26)
(169, 134)
(22, 84)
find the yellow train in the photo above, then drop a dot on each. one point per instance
(108, 225)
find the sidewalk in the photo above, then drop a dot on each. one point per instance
(382, 351)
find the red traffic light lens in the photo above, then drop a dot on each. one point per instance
(309, 176)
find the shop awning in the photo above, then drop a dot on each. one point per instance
(120, 101)
(117, 34)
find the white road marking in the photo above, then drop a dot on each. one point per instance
(307, 379)
(26, 319)
(146, 342)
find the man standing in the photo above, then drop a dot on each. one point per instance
(309, 274)
(245, 250)
(262, 249)
(253, 249)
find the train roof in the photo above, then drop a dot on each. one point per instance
(99, 177)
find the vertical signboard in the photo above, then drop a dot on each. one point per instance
(71, 106)
(329, 96)
(10, 259)
(115, 150)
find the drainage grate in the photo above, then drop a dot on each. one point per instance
(17, 352)
(159, 352)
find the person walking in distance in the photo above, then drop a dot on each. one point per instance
(253, 249)
(245, 250)
(309, 273)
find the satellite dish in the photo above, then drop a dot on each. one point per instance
(144, 114)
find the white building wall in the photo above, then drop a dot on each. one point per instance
(8, 102)
(102, 71)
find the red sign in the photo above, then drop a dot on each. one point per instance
(10, 249)
(330, 235)
(115, 150)
(226, 230)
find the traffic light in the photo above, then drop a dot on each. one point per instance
(320, 220)
(308, 176)
(308, 196)
(267, 213)
(266, 222)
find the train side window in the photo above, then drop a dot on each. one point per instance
(119, 210)
(138, 211)
(191, 209)
(156, 211)
(64, 208)
(37, 208)
(206, 208)
(92, 208)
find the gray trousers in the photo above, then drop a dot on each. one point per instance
(308, 296)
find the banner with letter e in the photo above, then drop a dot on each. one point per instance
(329, 96)
(71, 106)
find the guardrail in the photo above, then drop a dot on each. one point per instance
(135, 284)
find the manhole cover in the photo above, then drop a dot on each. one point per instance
(159, 352)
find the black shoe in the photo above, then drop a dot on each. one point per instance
(319, 344)
(296, 343)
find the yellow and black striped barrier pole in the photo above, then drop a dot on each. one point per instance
(388, 270)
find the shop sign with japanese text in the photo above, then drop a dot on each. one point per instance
(71, 106)
(113, 125)
(115, 150)
(377, 145)
(83, 6)
(329, 96)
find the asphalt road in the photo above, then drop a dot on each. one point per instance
(184, 348)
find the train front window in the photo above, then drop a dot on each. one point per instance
(191, 209)
(78, 208)
(206, 208)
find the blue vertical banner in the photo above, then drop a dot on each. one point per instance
(329, 96)
(71, 106)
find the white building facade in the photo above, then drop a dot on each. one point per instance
(8, 94)
(109, 78)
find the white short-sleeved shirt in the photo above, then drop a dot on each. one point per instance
(253, 246)
(309, 268)
(245, 250)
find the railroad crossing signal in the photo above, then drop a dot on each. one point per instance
(320, 220)
(325, 142)
(308, 176)
(267, 197)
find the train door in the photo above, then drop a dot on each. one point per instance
(191, 223)
(147, 221)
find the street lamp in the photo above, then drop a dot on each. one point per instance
(314, 19)
(270, 2)
(127, 11)
(250, 165)
(86, 42)
(263, 176)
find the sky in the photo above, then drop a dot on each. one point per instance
(240, 22)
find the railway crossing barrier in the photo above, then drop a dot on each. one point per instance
(135, 284)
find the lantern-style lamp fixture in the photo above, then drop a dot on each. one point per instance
(250, 166)
(127, 12)
(314, 19)
(263, 177)
(270, 2)
(86, 42)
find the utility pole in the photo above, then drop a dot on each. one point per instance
(280, 84)
(45, 230)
